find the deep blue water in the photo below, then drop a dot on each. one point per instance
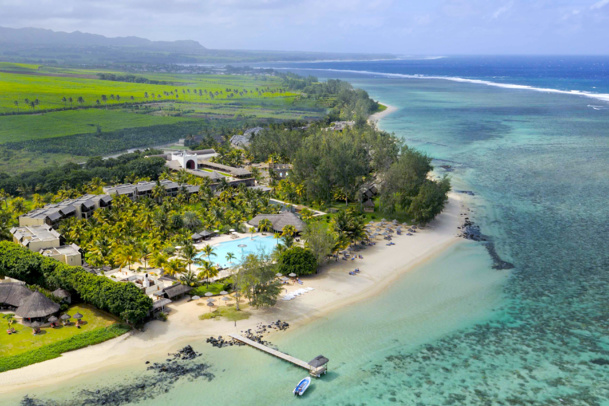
(590, 74)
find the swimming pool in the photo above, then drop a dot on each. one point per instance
(251, 246)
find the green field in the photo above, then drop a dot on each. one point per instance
(50, 90)
(61, 123)
(122, 114)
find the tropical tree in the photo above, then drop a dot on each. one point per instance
(189, 252)
(174, 267)
(208, 250)
(320, 240)
(207, 271)
(159, 260)
(265, 225)
(191, 221)
(229, 257)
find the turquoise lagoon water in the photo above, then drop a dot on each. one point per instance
(241, 248)
(455, 331)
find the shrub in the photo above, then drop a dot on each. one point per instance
(124, 300)
(300, 261)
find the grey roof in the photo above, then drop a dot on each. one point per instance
(318, 361)
(56, 211)
(36, 305)
(369, 203)
(196, 236)
(61, 293)
(240, 140)
(13, 294)
(252, 131)
(175, 290)
(225, 168)
(34, 233)
(160, 303)
(280, 220)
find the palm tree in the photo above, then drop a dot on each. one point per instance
(189, 278)
(189, 253)
(208, 271)
(144, 252)
(208, 250)
(229, 257)
(191, 220)
(174, 267)
(159, 260)
(126, 255)
(265, 225)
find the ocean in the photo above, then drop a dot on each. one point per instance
(529, 136)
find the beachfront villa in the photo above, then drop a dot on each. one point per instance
(46, 241)
(282, 171)
(279, 221)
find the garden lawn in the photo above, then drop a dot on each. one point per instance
(24, 341)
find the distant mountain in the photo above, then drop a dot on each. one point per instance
(39, 37)
(37, 45)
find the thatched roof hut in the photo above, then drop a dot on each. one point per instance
(35, 306)
(12, 294)
(61, 294)
(318, 361)
(280, 220)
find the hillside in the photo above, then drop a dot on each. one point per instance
(36, 45)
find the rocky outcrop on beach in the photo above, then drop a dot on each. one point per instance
(256, 334)
(471, 231)
(159, 378)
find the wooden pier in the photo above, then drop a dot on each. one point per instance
(314, 370)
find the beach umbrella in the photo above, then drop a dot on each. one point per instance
(65, 317)
(211, 300)
(278, 275)
(210, 304)
(292, 275)
(52, 319)
(224, 292)
(78, 316)
(209, 294)
(34, 324)
(196, 297)
(226, 299)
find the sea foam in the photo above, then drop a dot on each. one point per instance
(598, 96)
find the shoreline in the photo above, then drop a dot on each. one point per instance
(376, 117)
(333, 287)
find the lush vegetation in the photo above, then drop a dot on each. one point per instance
(298, 260)
(124, 300)
(71, 179)
(54, 350)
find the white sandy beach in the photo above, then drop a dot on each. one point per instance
(333, 288)
(376, 117)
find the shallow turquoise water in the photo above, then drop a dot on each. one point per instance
(455, 331)
(254, 245)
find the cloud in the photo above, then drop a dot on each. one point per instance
(504, 9)
(599, 4)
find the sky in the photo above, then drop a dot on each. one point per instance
(403, 27)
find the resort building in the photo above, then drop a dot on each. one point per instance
(52, 214)
(36, 238)
(202, 235)
(173, 292)
(281, 171)
(46, 241)
(279, 221)
(239, 141)
(143, 189)
(68, 254)
(340, 125)
(239, 173)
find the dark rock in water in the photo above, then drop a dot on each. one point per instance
(257, 335)
(161, 378)
(466, 192)
(600, 361)
(471, 231)
(498, 263)
(447, 168)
